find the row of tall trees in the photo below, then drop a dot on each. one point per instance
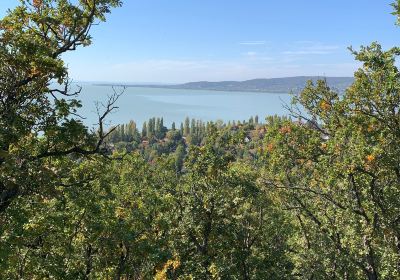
(127, 138)
(154, 129)
(125, 133)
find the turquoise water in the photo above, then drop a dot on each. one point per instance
(140, 104)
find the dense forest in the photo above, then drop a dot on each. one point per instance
(311, 196)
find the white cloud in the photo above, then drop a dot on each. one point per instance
(306, 52)
(250, 54)
(311, 48)
(252, 43)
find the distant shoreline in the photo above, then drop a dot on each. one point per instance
(197, 89)
(286, 85)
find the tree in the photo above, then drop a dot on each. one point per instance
(186, 129)
(179, 157)
(157, 127)
(339, 172)
(150, 128)
(114, 226)
(144, 130)
(226, 228)
(42, 139)
(131, 131)
(37, 119)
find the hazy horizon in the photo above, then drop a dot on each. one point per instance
(229, 80)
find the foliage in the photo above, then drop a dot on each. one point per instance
(339, 173)
(315, 198)
(227, 227)
(37, 118)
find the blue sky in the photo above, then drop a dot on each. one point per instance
(180, 40)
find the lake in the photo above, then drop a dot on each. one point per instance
(174, 105)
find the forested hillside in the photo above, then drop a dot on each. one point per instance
(313, 196)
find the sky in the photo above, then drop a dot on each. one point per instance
(176, 41)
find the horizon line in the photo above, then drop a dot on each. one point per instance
(199, 81)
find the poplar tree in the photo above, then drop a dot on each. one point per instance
(186, 130)
(144, 130)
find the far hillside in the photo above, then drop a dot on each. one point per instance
(275, 85)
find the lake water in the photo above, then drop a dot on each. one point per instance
(140, 104)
